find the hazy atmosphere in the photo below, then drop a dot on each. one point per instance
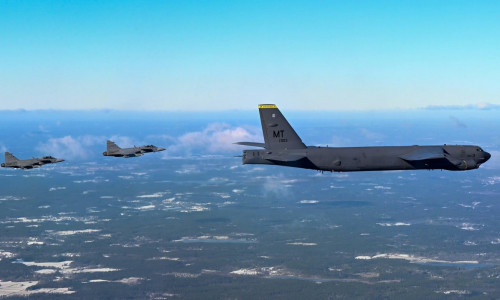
(218, 55)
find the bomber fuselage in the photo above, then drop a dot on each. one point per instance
(348, 159)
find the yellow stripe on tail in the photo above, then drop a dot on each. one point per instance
(267, 106)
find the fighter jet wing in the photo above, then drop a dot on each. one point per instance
(424, 153)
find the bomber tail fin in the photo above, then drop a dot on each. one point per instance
(278, 133)
(111, 147)
(9, 158)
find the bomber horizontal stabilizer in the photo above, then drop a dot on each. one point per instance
(424, 153)
(262, 145)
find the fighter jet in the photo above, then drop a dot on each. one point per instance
(285, 148)
(113, 150)
(13, 162)
(151, 148)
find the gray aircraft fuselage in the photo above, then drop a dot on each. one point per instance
(348, 159)
(114, 150)
(285, 148)
(13, 162)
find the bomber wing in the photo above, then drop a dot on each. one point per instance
(437, 157)
(424, 153)
(293, 159)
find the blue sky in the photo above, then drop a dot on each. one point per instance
(218, 55)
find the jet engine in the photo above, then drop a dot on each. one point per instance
(467, 164)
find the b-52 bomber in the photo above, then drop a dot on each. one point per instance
(282, 146)
(113, 150)
(13, 162)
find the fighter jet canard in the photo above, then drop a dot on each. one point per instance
(13, 162)
(113, 150)
(285, 148)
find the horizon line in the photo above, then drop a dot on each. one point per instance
(475, 107)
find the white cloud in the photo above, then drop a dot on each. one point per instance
(90, 140)
(82, 147)
(476, 106)
(276, 185)
(67, 147)
(414, 259)
(215, 138)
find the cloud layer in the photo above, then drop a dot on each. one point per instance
(478, 106)
(213, 139)
(69, 147)
(80, 147)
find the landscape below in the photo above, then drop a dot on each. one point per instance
(191, 222)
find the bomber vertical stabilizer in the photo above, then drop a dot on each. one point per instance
(278, 134)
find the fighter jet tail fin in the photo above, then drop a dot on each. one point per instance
(111, 147)
(278, 133)
(9, 158)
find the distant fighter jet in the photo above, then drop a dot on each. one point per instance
(285, 148)
(13, 162)
(113, 150)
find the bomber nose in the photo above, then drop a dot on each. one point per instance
(161, 149)
(486, 156)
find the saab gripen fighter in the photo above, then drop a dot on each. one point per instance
(283, 147)
(13, 162)
(113, 150)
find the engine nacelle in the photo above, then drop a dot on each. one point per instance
(467, 164)
(255, 157)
